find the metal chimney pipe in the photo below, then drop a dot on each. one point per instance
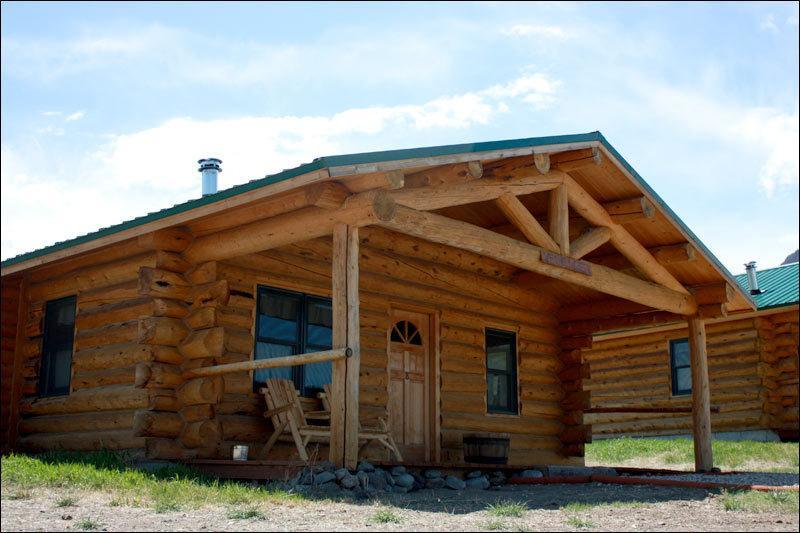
(752, 277)
(210, 168)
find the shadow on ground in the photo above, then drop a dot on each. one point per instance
(545, 497)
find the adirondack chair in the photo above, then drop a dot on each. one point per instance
(286, 412)
(382, 435)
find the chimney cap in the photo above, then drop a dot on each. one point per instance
(209, 163)
(752, 278)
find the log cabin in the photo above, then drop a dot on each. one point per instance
(450, 290)
(752, 366)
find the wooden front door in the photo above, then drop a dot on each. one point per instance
(409, 390)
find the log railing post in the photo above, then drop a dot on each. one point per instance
(701, 401)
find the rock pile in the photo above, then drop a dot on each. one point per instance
(368, 480)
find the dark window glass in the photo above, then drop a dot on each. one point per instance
(681, 367)
(501, 372)
(291, 323)
(59, 332)
(407, 333)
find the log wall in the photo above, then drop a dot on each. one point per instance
(8, 343)
(752, 375)
(146, 316)
(779, 333)
(119, 335)
(465, 301)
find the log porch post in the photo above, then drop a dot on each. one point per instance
(701, 403)
(354, 343)
(345, 373)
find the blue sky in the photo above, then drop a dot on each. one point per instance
(107, 107)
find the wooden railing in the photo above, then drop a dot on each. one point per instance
(276, 362)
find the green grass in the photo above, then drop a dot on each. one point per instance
(728, 455)
(577, 507)
(580, 523)
(249, 513)
(167, 489)
(494, 525)
(66, 502)
(385, 516)
(87, 524)
(761, 502)
(509, 509)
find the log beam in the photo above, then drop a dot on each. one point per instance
(443, 174)
(558, 218)
(591, 210)
(701, 397)
(666, 255)
(484, 189)
(443, 230)
(524, 221)
(589, 241)
(308, 223)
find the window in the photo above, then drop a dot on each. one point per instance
(406, 332)
(681, 367)
(59, 332)
(291, 323)
(501, 372)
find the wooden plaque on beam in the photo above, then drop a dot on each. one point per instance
(566, 262)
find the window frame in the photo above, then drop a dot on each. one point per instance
(52, 342)
(676, 391)
(512, 376)
(302, 345)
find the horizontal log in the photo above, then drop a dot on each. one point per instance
(161, 330)
(201, 390)
(66, 423)
(101, 378)
(110, 398)
(488, 188)
(157, 424)
(117, 439)
(201, 434)
(688, 410)
(308, 223)
(204, 343)
(276, 362)
(174, 239)
(122, 355)
(157, 375)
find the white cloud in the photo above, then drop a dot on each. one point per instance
(135, 172)
(537, 88)
(767, 134)
(524, 30)
(74, 116)
(768, 24)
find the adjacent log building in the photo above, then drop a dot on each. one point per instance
(464, 282)
(752, 366)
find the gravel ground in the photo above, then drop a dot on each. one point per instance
(743, 478)
(611, 508)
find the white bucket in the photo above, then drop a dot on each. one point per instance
(240, 453)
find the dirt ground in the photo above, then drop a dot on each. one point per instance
(605, 508)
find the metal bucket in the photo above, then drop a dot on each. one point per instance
(240, 452)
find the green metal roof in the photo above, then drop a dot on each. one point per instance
(367, 158)
(779, 286)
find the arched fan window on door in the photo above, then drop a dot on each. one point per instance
(407, 333)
